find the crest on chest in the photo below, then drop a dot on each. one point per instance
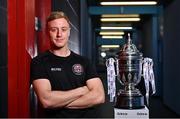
(77, 69)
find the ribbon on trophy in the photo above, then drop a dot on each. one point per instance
(111, 78)
(148, 75)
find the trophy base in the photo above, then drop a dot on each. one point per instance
(129, 102)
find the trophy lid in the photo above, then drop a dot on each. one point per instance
(129, 50)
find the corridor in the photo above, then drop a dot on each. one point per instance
(153, 26)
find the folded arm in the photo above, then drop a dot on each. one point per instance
(93, 97)
(55, 99)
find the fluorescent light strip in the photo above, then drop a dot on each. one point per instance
(111, 33)
(119, 19)
(112, 37)
(115, 28)
(110, 46)
(120, 15)
(130, 3)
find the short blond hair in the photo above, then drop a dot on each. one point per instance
(56, 15)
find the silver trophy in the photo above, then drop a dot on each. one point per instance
(128, 68)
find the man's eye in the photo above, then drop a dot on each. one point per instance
(64, 29)
(53, 29)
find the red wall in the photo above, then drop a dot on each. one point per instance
(21, 48)
(43, 8)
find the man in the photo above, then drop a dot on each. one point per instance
(66, 84)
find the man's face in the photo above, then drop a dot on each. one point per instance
(59, 31)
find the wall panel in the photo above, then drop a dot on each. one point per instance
(171, 57)
(43, 9)
(21, 32)
(3, 59)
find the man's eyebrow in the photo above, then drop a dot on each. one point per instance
(53, 27)
(65, 27)
(59, 27)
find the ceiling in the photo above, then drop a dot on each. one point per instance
(96, 23)
(144, 17)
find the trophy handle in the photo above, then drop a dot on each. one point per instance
(148, 76)
(111, 78)
(117, 67)
(112, 61)
(117, 71)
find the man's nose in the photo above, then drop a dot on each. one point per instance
(59, 33)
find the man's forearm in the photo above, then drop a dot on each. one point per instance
(90, 99)
(93, 97)
(55, 99)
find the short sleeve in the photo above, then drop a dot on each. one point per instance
(90, 71)
(38, 70)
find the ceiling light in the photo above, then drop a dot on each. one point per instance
(119, 19)
(118, 24)
(130, 3)
(103, 54)
(110, 46)
(111, 33)
(115, 28)
(112, 37)
(120, 15)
